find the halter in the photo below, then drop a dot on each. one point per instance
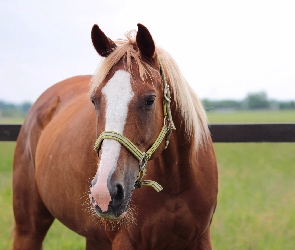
(144, 157)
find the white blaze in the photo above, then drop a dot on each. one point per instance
(118, 93)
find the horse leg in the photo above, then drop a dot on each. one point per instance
(32, 219)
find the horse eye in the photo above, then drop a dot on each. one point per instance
(150, 102)
(93, 102)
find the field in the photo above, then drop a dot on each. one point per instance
(256, 199)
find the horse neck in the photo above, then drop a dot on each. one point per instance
(179, 160)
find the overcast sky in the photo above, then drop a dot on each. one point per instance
(225, 49)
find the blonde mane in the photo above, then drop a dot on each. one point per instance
(186, 100)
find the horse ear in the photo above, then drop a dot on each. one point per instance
(145, 42)
(103, 45)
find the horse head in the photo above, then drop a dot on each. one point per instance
(132, 122)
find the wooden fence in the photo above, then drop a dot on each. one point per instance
(266, 132)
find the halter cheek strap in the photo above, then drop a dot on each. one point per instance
(144, 157)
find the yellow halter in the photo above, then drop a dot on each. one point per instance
(144, 157)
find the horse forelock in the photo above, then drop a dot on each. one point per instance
(125, 49)
(187, 102)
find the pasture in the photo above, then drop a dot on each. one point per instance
(256, 198)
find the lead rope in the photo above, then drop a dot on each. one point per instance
(144, 157)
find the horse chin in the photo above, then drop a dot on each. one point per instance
(110, 215)
(113, 213)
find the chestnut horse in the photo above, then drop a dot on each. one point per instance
(150, 183)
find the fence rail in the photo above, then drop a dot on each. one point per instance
(9, 132)
(261, 132)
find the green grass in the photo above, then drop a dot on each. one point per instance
(6, 214)
(11, 120)
(256, 200)
(252, 116)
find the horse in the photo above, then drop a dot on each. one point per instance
(124, 157)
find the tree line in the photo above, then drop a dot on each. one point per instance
(8, 109)
(253, 101)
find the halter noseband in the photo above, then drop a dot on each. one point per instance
(144, 157)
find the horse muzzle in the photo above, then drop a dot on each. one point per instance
(110, 203)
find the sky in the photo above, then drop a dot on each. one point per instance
(225, 49)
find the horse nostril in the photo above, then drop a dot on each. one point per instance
(93, 182)
(118, 196)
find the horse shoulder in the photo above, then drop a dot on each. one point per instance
(43, 111)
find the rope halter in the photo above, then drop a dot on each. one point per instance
(144, 157)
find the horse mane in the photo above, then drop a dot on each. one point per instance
(186, 100)
(191, 108)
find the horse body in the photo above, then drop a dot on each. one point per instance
(54, 164)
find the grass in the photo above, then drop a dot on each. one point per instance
(11, 120)
(256, 199)
(252, 116)
(6, 215)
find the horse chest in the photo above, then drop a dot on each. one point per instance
(171, 227)
(185, 224)
(177, 234)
